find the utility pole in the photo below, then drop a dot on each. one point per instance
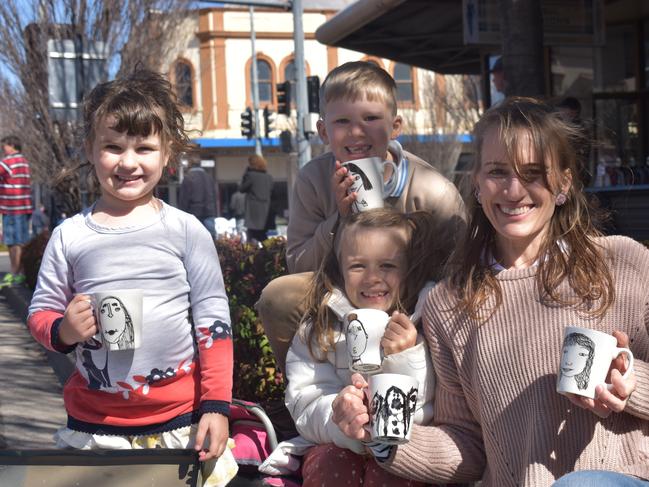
(303, 117)
(255, 82)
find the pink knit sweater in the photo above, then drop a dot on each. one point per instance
(498, 416)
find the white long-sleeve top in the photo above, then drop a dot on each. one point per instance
(312, 385)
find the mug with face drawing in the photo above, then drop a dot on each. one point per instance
(393, 401)
(119, 318)
(586, 357)
(364, 329)
(369, 185)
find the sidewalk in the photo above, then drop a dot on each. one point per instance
(31, 402)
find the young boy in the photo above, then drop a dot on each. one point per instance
(358, 110)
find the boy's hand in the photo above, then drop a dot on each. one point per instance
(216, 426)
(341, 181)
(79, 322)
(400, 334)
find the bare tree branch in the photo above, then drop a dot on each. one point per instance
(450, 106)
(132, 32)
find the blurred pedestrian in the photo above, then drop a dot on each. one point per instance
(40, 220)
(258, 186)
(198, 195)
(15, 205)
(498, 82)
(238, 209)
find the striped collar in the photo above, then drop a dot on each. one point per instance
(402, 168)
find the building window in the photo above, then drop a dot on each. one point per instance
(184, 83)
(265, 81)
(403, 78)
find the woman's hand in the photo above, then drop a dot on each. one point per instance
(400, 334)
(341, 181)
(216, 426)
(79, 321)
(615, 400)
(350, 411)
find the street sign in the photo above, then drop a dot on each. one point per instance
(74, 68)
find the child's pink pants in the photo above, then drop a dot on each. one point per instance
(330, 466)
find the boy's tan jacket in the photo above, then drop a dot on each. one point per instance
(313, 211)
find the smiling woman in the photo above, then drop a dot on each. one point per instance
(534, 264)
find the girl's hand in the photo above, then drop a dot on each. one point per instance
(400, 334)
(615, 400)
(340, 184)
(79, 322)
(350, 410)
(216, 426)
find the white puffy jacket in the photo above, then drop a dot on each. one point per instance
(312, 386)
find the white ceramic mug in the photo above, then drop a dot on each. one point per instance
(393, 401)
(369, 185)
(586, 357)
(364, 329)
(119, 318)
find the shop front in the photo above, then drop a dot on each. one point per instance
(596, 52)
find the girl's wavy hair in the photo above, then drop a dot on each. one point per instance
(569, 250)
(142, 102)
(422, 258)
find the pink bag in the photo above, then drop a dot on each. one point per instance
(252, 431)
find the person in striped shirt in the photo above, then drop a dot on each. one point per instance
(15, 204)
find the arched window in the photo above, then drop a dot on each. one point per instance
(184, 83)
(265, 81)
(403, 77)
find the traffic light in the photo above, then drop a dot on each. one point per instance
(284, 98)
(313, 93)
(247, 124)
(268, 122)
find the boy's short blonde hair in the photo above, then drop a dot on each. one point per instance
(358, 80)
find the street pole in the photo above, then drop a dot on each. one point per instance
(255, 82)
(303, 117)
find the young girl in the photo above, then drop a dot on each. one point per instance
(381, 260)
(174, 390)
(535, 263)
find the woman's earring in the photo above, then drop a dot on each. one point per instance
(561, 199)
(477, 197)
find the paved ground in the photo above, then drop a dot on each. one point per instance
(31, 405)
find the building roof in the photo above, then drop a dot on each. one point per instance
(424, 33)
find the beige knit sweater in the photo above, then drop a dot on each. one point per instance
(498, 416)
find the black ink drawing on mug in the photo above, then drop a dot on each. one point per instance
(116, 324)
(97, 378)
(392, 413)
(361, 181)
(356, 338)
(577, 358)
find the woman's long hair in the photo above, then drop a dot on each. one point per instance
(421, 264)
(569, 250)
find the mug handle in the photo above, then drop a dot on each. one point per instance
(629, 369)
(392, 182)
